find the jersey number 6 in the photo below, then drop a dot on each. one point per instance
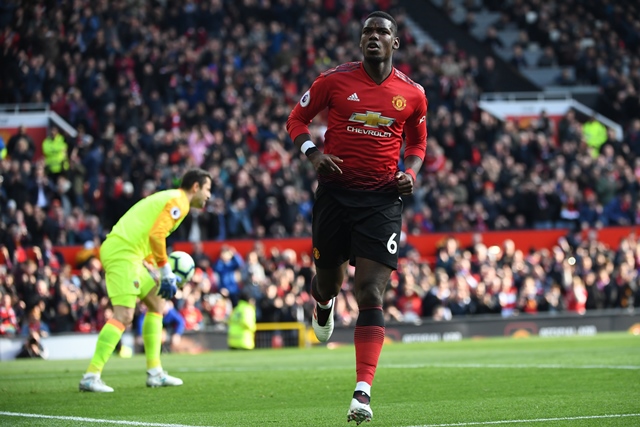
(392, 246)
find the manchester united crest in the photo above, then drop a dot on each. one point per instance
(316, 253)
(399, 103)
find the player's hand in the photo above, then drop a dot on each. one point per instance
(404, 182)
(325, 164)
(168, 286)
(168, 283)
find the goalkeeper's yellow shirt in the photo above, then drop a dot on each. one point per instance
(143, 229)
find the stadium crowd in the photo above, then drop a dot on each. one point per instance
(599, 41)
(156, 87)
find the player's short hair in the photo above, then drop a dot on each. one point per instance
(192, 176)
(384, 15)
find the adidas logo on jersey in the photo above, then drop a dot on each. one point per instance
(353, 97)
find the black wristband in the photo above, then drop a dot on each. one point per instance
(310, 151)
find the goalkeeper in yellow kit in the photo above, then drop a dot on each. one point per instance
(130, 255)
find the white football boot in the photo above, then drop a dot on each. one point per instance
(162, 379)
(95, 384)
(323, 333)
(360, 410)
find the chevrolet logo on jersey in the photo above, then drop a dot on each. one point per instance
(371, 119)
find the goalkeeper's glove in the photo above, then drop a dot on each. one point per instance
(168, 282)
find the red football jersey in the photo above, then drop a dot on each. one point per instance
(365, 125)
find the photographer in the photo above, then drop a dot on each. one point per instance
(33, 348)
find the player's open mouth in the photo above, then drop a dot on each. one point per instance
(373, 47)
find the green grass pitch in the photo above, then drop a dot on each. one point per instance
(576, 381)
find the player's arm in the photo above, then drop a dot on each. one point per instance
(157, 238)
(415, 130)
(172, 212)
(312, 102)
(149, 264)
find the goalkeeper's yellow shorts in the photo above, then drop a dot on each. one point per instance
(126, 276)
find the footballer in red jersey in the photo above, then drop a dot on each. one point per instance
(366, 121)
(357, 213)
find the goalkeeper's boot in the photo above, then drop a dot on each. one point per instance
(94, 383)
(322, 321)
(162, 379)
(360, 410)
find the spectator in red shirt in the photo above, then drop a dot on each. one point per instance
(528, 300)
(274, 157)
(192, 314)
(8, 320)
(410, 304)
(577, 296)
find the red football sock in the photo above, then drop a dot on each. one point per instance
(368, 338)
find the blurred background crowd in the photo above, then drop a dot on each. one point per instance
(155, 87)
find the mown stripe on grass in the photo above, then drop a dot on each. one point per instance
(350, 366)
(417, 366)
(536, 420)
(91, 420)
(508, 366)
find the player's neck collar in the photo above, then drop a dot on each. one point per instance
(384, 80)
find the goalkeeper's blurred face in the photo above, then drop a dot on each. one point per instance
(201, 194)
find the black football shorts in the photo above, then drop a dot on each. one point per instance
(350, 224)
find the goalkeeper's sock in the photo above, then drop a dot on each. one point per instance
(152, 338)
(368, 339)
(107, 340)
(155, 371)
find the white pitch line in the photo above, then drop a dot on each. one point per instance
(478, 423)
(538, 420)
(92, 420)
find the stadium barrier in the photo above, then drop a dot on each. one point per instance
(61, 346)
(80, 346)
(426, 244)
(281, 334)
